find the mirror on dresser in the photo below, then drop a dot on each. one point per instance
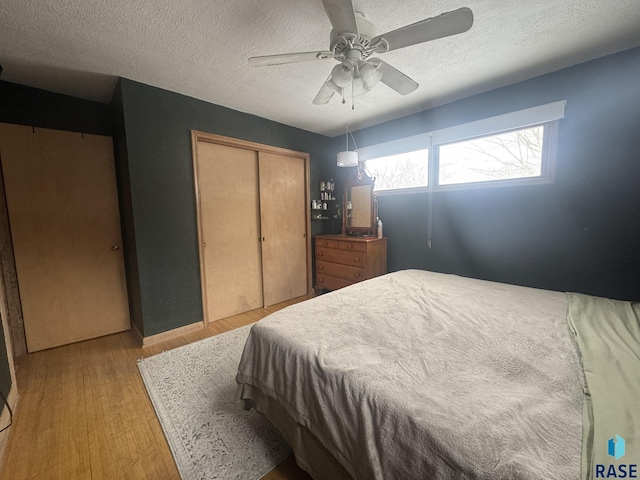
(359, 204)
(357, 254)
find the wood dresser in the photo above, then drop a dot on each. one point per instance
(342, 260)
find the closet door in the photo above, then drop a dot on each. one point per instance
(283, 223)
(253, 224)
(65, 226)
(227, 180)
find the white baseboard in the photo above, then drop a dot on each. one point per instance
(164, 336)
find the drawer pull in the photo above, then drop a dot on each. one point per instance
(320, 254)
(356, 259)
(356, 275)
(320, 280)
(325, 243)
(320, 267)
(350, 245)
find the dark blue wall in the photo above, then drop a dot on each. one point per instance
(158, 125)
(581, 233)
(30, 106)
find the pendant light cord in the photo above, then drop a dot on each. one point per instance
(347, 137)
(362, 167)
(430, 183)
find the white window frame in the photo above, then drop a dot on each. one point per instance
(405, 189)
(546, 115)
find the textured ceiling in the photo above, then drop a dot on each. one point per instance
(200, 48)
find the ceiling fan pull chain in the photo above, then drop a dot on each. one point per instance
(353, 97)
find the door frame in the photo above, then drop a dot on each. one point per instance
(199, 136)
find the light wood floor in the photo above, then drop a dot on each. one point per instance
(84, 413)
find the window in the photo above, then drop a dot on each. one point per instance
(515, 148)
(404, 170)
(510, 155)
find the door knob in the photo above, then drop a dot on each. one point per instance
(115, 248)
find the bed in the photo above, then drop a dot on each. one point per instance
(424, 375)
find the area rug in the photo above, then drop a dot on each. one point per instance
(192, 389)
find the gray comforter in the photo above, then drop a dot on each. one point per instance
(428, 376)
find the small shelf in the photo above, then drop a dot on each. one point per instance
(316, 205)
(333, 199)
(326, 198)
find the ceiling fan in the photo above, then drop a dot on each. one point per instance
(353, 40)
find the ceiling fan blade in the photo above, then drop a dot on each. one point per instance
(394, 78)
(341, 15)
(450, 23)
(268, 60)
(325, 93)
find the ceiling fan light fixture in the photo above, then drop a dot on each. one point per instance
(353, 40)
(370, 75)
(366, 70)
(331, 84)
(341, 75)
(359, 87)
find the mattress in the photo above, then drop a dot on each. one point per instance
(421, 375)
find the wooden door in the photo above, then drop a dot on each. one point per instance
(227, 182)
(63, 211)
(283, 223)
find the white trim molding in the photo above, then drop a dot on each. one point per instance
(168, 335)
(486, 126)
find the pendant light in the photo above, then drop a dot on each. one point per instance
(347, 158)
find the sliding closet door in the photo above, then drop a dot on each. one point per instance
(283, 221)
(65, 226)
(227, 179)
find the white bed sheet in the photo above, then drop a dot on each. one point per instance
(423, 375)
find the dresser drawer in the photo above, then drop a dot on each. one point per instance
(355, 274)
(341, 260)
(359, 246)
(323, 242)
(345, 257)
(331, 283)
